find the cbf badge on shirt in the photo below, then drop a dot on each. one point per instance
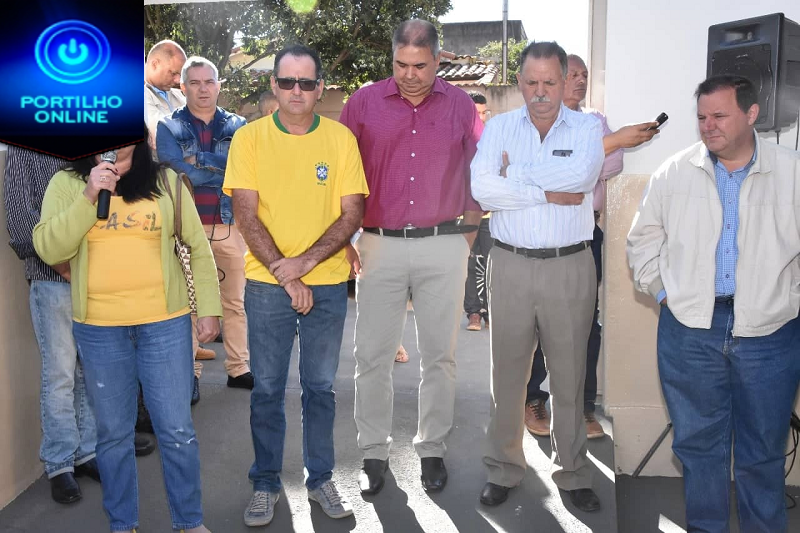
(322, 173)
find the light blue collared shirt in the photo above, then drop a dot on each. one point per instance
(729, 185)
(568, 159)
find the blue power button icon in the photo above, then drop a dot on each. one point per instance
(72, 51)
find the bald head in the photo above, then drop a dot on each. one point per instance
(164, 62)
(577, 82)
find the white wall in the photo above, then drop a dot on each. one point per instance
(656, 56)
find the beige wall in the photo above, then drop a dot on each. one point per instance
(630, 86)
(19, 375)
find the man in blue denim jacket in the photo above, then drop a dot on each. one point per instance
(195, 140)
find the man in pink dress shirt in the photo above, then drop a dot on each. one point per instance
(537, 419)
(417, 135)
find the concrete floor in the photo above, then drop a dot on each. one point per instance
(222, 423)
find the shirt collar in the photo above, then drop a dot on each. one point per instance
(198, 121)
(704, 155)
(564, 115)
(164, 94)
(392, 89)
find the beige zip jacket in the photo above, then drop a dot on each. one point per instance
(673, 239)
(156, 108)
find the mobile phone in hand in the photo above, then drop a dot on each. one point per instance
(660, 119)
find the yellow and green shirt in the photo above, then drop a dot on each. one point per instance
(300, 180)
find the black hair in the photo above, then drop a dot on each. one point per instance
(299, 50)
(141, 182)
(477, 97)
(545, 50)
(746, 94)
(417, 33)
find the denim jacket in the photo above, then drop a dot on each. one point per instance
(176, 140)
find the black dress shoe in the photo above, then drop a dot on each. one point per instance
(195, 391)
(372, 475)
(494, 494)
(64, 488)
(245, 381)
(434, 474)
(584, 499)
(143, 445)
(88, 469)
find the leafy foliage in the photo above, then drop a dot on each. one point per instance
(353, 37)
(494, 50)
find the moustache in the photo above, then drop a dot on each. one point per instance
(540, 100)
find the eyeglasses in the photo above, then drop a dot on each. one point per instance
(287, 84)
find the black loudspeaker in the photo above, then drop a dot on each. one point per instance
(766, 50)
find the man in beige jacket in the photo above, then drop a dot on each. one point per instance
(716, 243)
(162, 81)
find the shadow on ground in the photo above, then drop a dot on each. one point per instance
(222, 423)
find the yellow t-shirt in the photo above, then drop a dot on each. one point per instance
(300, 180)
(125, 281)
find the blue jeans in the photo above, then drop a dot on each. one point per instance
(159, 355)
(271, 328)
(69, 434)
(718, 386)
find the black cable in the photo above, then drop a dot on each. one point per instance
(794, 428)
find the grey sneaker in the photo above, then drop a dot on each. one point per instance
(328, 497)
(261, 508)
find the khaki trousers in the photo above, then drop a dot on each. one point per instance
(431, 271)
(549, 301)
(228, 248)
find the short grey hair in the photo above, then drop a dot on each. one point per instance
(545, 50)
(197, 61)
(418, 33)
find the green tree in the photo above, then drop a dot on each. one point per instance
(353, 37)
(494, 50)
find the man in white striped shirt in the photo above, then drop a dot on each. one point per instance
(535, 169)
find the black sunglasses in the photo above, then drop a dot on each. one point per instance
(287, 84)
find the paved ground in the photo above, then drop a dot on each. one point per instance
(629, 505)
(222, 422)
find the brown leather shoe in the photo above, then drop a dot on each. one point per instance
(537, 419)
(474, 322)
(593, 428)
(204, 354)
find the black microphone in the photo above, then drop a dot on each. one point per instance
(104, 198)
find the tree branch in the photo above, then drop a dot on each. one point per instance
(345, 52)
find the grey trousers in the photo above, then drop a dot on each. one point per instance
(549, 301)
(431, 270)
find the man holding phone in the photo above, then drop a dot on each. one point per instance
(537, 419)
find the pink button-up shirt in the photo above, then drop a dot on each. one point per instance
(416, 158)
(612, 165)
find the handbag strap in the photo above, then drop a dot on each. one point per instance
(176, 200)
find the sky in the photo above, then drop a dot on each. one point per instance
(543, 20)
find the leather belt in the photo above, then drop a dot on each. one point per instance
(450, 227)
(544, 253)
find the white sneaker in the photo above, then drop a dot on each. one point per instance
(328, 497)
(261, 508)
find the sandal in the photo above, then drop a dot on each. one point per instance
(401, 356)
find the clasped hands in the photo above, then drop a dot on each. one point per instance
(288, 271)
(558, 198)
